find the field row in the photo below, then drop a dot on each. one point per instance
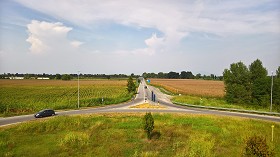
(18, 97)
(192, 87)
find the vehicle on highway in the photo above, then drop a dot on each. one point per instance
(45, 113)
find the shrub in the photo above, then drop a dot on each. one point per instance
(149, 124)
(257, 146)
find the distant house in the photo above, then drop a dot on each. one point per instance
(16, 78)
(43, 78)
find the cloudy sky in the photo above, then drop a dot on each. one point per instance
(136, 36)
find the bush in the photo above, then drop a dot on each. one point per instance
(257, 146)
(149, 124)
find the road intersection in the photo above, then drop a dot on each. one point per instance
(143, 96)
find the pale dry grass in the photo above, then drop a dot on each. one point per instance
(147, 105)
(192, 87)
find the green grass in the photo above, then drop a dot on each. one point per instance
(19, 97)
(122, 135)
(214, 101)
(220, 102)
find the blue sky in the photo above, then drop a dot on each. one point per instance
(132, 36)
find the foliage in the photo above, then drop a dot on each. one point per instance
(261, 91)
(257, 71)
(278, 73)
(131, 87)
(260, 83)
(173, 75)
(237, 83)
(276, 92)
(257, 146)
(58, 76)
(66, 77)
(186, 75)
(148, 124)
(251, 87)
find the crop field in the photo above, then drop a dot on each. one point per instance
(206, 88)
(123, 135)
(29, 96)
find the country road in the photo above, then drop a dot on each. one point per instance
(144, 94)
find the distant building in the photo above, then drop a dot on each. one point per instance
(43, 78)
(16, 78)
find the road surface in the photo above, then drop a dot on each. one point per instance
(144, 95)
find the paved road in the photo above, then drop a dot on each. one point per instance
(144, 95)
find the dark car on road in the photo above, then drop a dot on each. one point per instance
(44, 113)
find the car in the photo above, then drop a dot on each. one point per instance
(145, 87)
(45, 113)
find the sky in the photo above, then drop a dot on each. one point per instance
(136, 36)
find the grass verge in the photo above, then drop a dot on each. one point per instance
(123, 135)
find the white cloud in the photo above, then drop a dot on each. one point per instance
(49, 37)
(175, 19)
(76, 44)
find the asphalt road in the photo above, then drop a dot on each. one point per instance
(144, 95)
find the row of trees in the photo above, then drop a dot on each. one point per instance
(251, 85)
(67, 76)
(182, 75)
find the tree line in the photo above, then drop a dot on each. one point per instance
(65, 76)
(251, 85)
(182, 75)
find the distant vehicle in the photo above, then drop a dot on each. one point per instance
(145, 87)
(44, 113)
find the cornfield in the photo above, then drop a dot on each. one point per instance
(29, 96)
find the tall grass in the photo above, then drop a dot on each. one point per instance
(123, 135)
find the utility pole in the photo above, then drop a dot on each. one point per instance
(78, 90)
(271, 91)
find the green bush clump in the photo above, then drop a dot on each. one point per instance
(149, 124)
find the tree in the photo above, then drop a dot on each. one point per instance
(198, 76)
(190, 75)
(278, 73)
(131, 88)
(66, 77)
(160, 75)
(27, 76)
(237, 83)
(58, 76)
(259, 83)
(257, 71)
(183, 75)
(173, 75)
(148, 124)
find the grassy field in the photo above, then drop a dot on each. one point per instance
(28, 96)
(192, 87)
(122, 135)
